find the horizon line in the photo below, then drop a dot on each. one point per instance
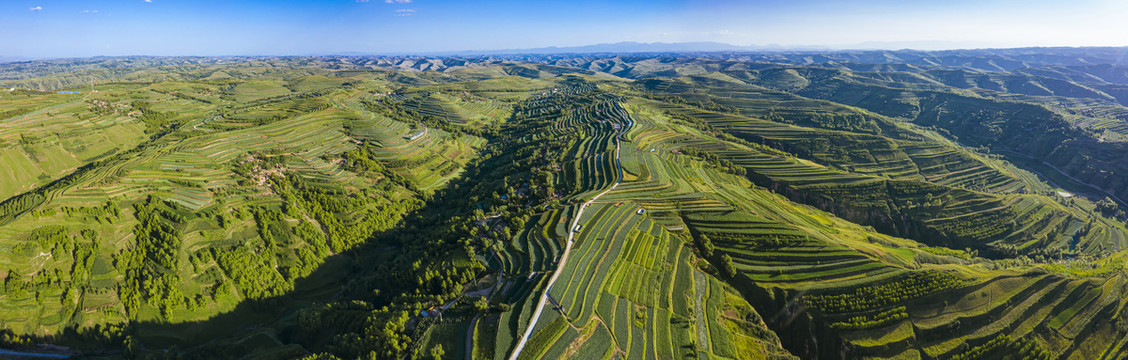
(565, 50)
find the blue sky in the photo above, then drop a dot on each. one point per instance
(47, 28)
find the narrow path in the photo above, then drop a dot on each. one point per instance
(568, 248)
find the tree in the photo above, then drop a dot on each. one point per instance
(481, 305)
(437, 352)
(726, 263)
(1107, 206)
(706, 245)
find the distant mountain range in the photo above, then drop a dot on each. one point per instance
(711, 46)
(8, 59)
(639, 60)
(867, 52)
(624, 47)
(631, 47)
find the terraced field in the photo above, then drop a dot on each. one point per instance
(220, 171)
(942, 209)
(877, 294)
(46, 137)
(833, 277)
(604, 302)
(457, 107)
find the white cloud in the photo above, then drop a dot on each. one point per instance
(148, 1)
(89, 11)
(398, 1)
(405, 10)
(37, 8)
(361, 0)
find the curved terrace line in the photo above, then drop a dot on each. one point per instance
(568, 248)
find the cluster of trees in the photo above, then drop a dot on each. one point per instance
(347, 220)
(880, 319)
(911, 286)
(1109, 207)
(1022, 348)
(108, 213)
(155, 121)
(17, 285)
(727, 266)
(705, 245)
(83, 256)
(10, 340)
(978, 352)
(1008, 250)
(271, 226)
(52, 238)
(308, 257)
(15, 112)
(966, 254)
(1009, 263)
(57, 243)
(724, 165)
(364, 161)
(151, 265)
(63, 248)
(254, 275)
